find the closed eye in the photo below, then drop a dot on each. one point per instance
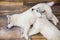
(43, 11)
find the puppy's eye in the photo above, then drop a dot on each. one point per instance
(43, 11)
(32, 9)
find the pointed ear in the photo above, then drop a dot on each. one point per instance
(50, 3)
(8, 16)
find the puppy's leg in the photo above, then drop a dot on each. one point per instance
(25, 35)
(33, 31)
(10, 25)
(54, 20)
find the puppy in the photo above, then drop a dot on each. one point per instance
(23, 20)
(45, 9)
(43, 26)
(46, 28)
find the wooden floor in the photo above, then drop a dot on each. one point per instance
(13, 34)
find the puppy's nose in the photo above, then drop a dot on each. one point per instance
(7, 27)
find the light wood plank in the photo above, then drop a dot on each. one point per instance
(11, 3)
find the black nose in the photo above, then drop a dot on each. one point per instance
(7, 27)
(32, 9)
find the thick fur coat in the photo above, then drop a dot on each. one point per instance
(43, 25)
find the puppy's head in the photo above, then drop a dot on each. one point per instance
(36, 12)
(10, 21)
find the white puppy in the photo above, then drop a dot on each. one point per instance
(23, 20)
(46, 28)
(45, 8)
(42, 25)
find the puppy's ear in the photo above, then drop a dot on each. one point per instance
(7, 15)
(50, 3)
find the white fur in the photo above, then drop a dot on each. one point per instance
(42, 25)
(50, 15)
(50, 3)
(46, 28)
(48, 11)
(23, 20)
